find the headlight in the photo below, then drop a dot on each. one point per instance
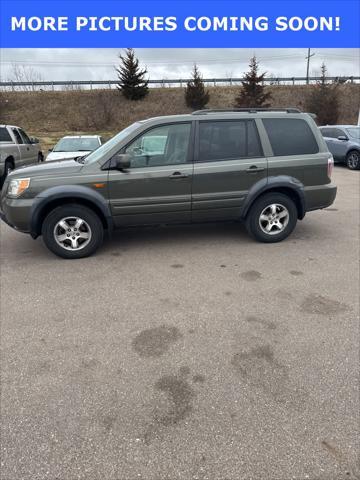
(17, 187)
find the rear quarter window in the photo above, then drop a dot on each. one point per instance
(5, 135)
(290, 136)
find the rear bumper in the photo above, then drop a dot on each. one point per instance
(319, 196)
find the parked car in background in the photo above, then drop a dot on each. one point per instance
(343, 142)
(266, 168)
(74, 147)
(17, 149)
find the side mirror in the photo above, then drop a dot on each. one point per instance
(34, 140)
(121, 161)
(50, 149)
(344, 138)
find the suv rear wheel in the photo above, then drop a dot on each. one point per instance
(72, 231)
(272, 218)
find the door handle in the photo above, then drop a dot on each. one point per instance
(254, 169)
(177, 175)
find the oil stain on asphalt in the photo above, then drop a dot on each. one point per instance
(296, 273)
(259, 367)
(180, 396)
(156, 341)
(266, 323)
(317, 304)
(251, 275)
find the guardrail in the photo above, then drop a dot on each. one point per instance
(180, 82)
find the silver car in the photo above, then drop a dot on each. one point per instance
(343, 142)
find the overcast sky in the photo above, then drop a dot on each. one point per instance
(98, 64)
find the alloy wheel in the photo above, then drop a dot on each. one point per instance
(72, 233)
(353, 160)
(274, 219)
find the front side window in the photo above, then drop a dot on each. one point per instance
(24, 137)
(165, 145)
(338, 133)
(226, 140)
(290, 136)
(106, 147)
(17, 136)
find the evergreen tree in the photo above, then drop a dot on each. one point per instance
(196, 96)
(132, 83)
(252, 93)
(323, 100)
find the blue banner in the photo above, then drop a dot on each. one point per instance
(183, 24)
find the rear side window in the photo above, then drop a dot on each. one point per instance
(226, 140)
(327, 132)
(290, 136)
(331, 132)
(5, 135)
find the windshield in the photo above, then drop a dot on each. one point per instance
(110, 144)
(81, 144)
(354, 132)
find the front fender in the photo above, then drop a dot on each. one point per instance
(272, 183)
(52, 194)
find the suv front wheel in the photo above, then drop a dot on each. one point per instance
(72, 231)
(272, 218)
(353, 160)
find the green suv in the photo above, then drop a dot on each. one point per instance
(265, 167)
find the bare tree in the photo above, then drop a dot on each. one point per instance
(24, 73)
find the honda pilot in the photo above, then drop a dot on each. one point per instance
(265, 167)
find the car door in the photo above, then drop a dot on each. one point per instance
(157, 186)
(31, 148)
(228, 161)
(24, 150)
(340, 146)
(327, 133)
(336, 147)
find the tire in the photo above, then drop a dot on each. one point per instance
(7, 169)
(263, 207)
(353, 160)
(72, 225)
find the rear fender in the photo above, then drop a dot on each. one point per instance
(280, 182)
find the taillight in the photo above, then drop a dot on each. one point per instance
(330, 166)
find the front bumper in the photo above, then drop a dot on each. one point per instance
(15, 212)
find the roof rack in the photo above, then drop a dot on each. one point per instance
(249, 110)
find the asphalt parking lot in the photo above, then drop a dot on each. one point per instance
(185, 353)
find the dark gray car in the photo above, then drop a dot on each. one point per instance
(266, 168)
(343, 142)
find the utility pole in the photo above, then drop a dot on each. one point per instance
(309, 55)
